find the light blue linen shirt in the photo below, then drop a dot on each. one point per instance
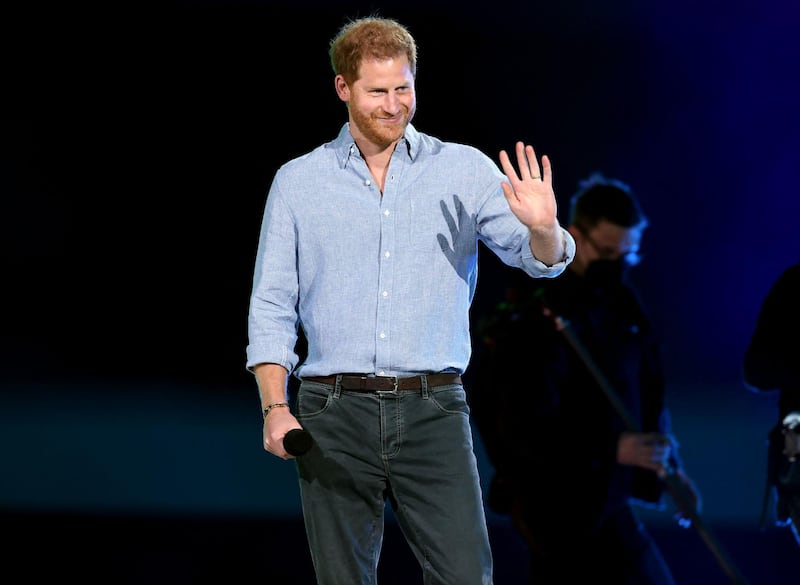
(380, 284)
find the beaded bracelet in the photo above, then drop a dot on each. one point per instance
(274, 405)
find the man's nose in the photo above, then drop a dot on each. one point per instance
(391, 103)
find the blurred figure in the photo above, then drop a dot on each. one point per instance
(772, 364)
(548, 426)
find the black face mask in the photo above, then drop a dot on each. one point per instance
(607, 275)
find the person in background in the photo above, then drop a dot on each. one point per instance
(569, 465)
(369, 245)
(771, 364)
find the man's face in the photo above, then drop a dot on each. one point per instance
(381, 101)
(605, 241)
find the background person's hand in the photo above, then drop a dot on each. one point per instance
(646, 450)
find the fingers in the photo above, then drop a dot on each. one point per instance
(647, 450)
(276, 427)
(527, 164)
(526, 159)
(658, 444)
(508, 168)
(547, 169)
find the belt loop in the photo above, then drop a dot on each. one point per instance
(337, 387)
(423, 383)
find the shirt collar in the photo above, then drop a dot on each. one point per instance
(345, 146)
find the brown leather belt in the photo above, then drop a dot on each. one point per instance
(387, 383)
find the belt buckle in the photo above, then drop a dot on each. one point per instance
(393, 390)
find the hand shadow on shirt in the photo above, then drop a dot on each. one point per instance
(462, 249)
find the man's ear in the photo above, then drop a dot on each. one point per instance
(342, 89)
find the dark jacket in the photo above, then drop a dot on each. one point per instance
(547, 425)
(772, 359)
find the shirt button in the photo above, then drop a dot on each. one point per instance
(385, 293)
(386, 254)
(367, 182)
(382, 335)
(385, 212)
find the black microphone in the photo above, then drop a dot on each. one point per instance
(297, 442)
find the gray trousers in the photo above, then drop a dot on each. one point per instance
(413, 448)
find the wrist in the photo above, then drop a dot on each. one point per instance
(269, 407)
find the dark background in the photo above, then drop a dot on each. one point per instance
(137, 144)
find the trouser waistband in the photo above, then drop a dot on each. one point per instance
(387, 383)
